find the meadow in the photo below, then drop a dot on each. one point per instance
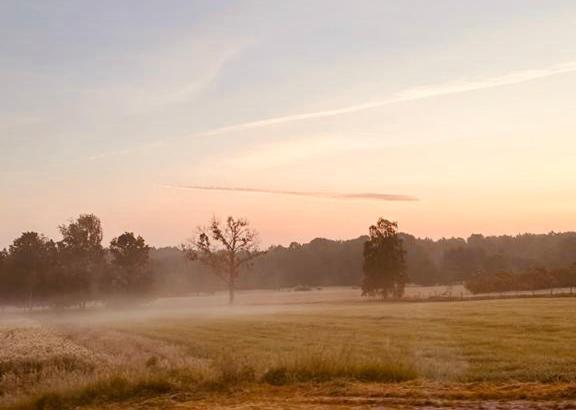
(317, 349)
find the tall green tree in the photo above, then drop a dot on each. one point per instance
(384, 265)
(130, 260)
(226, 248)
(82, 258)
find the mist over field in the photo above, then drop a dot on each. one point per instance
(271, 349)
(383, 320)
(329, 204)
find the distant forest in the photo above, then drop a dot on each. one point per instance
(36, 271)
(324, 262)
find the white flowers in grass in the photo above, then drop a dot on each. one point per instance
(36, 357)
(132, 352)
(35, 343)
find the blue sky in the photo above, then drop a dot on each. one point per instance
(465, 105)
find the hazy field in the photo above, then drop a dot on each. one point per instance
(318, 349)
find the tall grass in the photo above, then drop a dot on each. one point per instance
(509, 342)
(224, 372)
(341, 363)
(106, 390)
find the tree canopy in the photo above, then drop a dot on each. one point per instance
(131, 274)
(384, 261)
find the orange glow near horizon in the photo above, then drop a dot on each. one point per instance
(484, 138)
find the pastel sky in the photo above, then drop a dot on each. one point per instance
(112, 107)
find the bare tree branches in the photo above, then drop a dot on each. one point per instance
(226, 248)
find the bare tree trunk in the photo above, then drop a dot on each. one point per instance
(231, 285)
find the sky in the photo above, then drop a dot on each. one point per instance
(309, 118)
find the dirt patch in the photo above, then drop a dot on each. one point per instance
(373, 396)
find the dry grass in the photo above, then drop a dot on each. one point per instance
(524, 340)
(32, 355)
(347, 395)
(339, 363)
(467, 350)
(50, 364)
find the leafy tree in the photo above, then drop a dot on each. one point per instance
(463, 261)
(29, 261)
(566, 251)
(538, 279)
(82, 258)
(225, 248)
(492, 282)
(570, 278)
(566, 277)
(384, 265)
(420, 267)
(130, 259)
(496, 263)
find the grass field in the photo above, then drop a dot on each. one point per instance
(326, 354)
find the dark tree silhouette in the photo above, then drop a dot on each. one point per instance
(30, 259)
(82, 258)
(567, 277)
(4, 292)
(538, 279)
(492, 282)
(384, 266)
(130, 274)
(463, 261)
(225, 248)
(75, 271)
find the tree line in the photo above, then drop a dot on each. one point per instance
(78, 269)
(532, 280)
(324, 262)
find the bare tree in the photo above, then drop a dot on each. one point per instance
(225, 248)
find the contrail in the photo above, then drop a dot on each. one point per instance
(332, 195)
(411, 94)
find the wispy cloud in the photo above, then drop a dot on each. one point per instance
(411, 94)
(159, 79)
(331, 195)
(186, 88)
